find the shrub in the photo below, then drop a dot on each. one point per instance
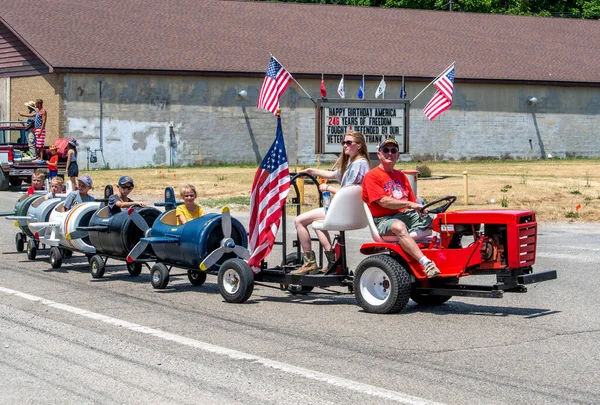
(424, 171)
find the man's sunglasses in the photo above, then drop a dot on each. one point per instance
(127, 187)
(389, 150)
(347, 143)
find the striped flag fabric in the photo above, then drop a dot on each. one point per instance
(442, 99)
(276, 81)
(269, 191)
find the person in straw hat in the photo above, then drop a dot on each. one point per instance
(39, 127)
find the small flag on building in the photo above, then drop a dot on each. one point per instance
(323, 89)
(442, 99)
(341, 90)
(381, 88)
(402, 89)
(276, 81)
(270, 189)
(361, 89)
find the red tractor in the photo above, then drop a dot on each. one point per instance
(463, 243)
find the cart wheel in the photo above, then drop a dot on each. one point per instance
(159, 276)
(67, 253)
(55, 257)
(31, 249)
(134, 268)
(236, 281)
(382, 285)
(290, 259)
(432, 300)
(97, 266)
(20, 242)
(196, 277)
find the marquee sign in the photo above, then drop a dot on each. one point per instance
(376, 119)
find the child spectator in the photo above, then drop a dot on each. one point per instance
(121, 200)
(56, 187)
(37, 182)
(84, 185)
(53, 162)
(189, 210)
(72, 168)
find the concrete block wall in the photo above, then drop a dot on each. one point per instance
(47, 87)
(213, 125)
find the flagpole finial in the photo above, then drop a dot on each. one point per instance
(278, 112)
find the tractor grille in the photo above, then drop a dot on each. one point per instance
(527, 241)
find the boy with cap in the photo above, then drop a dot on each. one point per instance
(121, 200)
(84, 185)
(392, 203)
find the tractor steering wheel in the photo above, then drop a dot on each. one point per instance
(449, 200)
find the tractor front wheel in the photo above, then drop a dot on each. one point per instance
(196, 277)
(97, 266)
(55, 257)
(159, 276)
(382, 285)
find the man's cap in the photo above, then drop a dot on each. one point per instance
(387, 141)
(86, 180)
(124, 180)
(30, 104)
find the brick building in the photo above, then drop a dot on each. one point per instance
(183, 64)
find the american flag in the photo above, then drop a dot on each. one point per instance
(269, 191)
(276, 81)
(442, 99)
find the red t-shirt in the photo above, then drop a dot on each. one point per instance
(378, 184)
(53, 162)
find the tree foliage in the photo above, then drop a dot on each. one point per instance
(588, 9)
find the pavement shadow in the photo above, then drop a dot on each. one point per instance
(461, 308)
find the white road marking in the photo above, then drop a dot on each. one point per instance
(233, 354)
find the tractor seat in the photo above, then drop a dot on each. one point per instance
(169, 218)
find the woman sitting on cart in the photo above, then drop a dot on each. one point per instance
(351, 166)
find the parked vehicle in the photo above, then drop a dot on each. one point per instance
(15, 164)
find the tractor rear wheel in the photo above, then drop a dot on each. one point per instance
(67, 253)
(15, 181)
(236, 281)
(97, 266)
(196, 277)
(432, 300)
(159, 276)
(382, 285)
(55, 257)
(291, 259)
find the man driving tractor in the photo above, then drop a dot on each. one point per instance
(393, 205)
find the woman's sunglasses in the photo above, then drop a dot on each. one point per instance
(348, 143)
(389, 150)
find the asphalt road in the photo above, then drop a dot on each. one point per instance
(66, 338)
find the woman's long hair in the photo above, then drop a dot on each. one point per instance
(343, 161)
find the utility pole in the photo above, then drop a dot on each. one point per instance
(450, 5)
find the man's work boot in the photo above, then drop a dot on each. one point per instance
(431, 270)
(309, 265)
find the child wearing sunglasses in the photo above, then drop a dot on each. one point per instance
(352, 166)
(117, 202)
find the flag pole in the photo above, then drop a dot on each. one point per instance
(402, 91)
(383, 94)
(299, 85)
(438, 76)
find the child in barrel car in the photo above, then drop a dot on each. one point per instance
(117, 202)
